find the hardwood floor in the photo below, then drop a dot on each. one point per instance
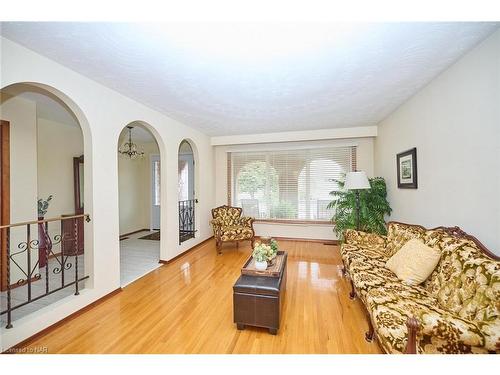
(186, 307)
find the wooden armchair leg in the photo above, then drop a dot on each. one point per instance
(413, 326)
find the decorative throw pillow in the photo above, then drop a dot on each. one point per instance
(414, 262)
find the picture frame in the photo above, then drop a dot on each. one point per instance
(407, 169)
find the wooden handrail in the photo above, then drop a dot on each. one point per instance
(86, 216)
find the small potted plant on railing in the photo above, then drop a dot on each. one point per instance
(43, 206)
(264, 254)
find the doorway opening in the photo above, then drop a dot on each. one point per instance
(186, 194)
(139, 184)
(43, 257)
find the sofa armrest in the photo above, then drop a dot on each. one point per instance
(413, 325)
(357, 237)
(447, 333)
(217, 226)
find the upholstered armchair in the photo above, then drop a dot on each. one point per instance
(228, 225)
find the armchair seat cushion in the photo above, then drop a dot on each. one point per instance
(236, 232)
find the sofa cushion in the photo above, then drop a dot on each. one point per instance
(414, 262)
(367, 275)
(398, 234)
(350, 252)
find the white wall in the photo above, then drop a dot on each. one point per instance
(312, 231)
(103, 113)
(134, 187)
(21, 114)
(454, 123)
(58, 144)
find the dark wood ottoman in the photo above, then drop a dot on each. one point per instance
(257, 300)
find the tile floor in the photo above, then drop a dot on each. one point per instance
(138, 257)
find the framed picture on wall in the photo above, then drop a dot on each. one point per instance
(407, 169)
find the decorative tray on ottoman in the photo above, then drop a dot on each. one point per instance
(272, 271)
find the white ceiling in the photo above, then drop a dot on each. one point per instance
(256, 78)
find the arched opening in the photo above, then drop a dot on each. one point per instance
(186, 191)
(139, 187)
(45, 173)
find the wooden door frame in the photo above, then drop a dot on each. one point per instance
(4, 197)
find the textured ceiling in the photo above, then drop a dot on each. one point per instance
(237, 79)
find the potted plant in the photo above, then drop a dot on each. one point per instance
(44, 241)
(373, 208)
(264, 254)
(43, 206)
(274, 251)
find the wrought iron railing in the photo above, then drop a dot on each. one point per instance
(36, 267)
(186, 219)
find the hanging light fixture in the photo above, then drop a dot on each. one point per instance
(129, 148)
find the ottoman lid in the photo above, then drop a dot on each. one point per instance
(259, 285)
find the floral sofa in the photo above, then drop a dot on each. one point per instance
(456, 310)
(229, 225)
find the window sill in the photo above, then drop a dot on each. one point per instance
(293, 222)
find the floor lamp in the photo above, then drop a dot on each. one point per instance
(356, 181)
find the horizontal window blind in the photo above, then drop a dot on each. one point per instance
(287, 185)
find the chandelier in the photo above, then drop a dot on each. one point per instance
(129, 148)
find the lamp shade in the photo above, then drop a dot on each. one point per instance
(356, 180)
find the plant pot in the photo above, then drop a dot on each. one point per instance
(44, 244)
(260, 266)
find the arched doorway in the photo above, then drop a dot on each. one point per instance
(139, 187)
(186, 191)
(44, 138)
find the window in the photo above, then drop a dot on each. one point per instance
(156, 182)
(183, 180)
(288, 185)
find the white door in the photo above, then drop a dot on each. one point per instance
(155, 192)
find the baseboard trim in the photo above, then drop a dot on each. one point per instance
(324, 242)
(45, 331)
(134, 232)
(185, 252)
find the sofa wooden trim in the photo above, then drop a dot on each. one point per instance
(457, 232)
